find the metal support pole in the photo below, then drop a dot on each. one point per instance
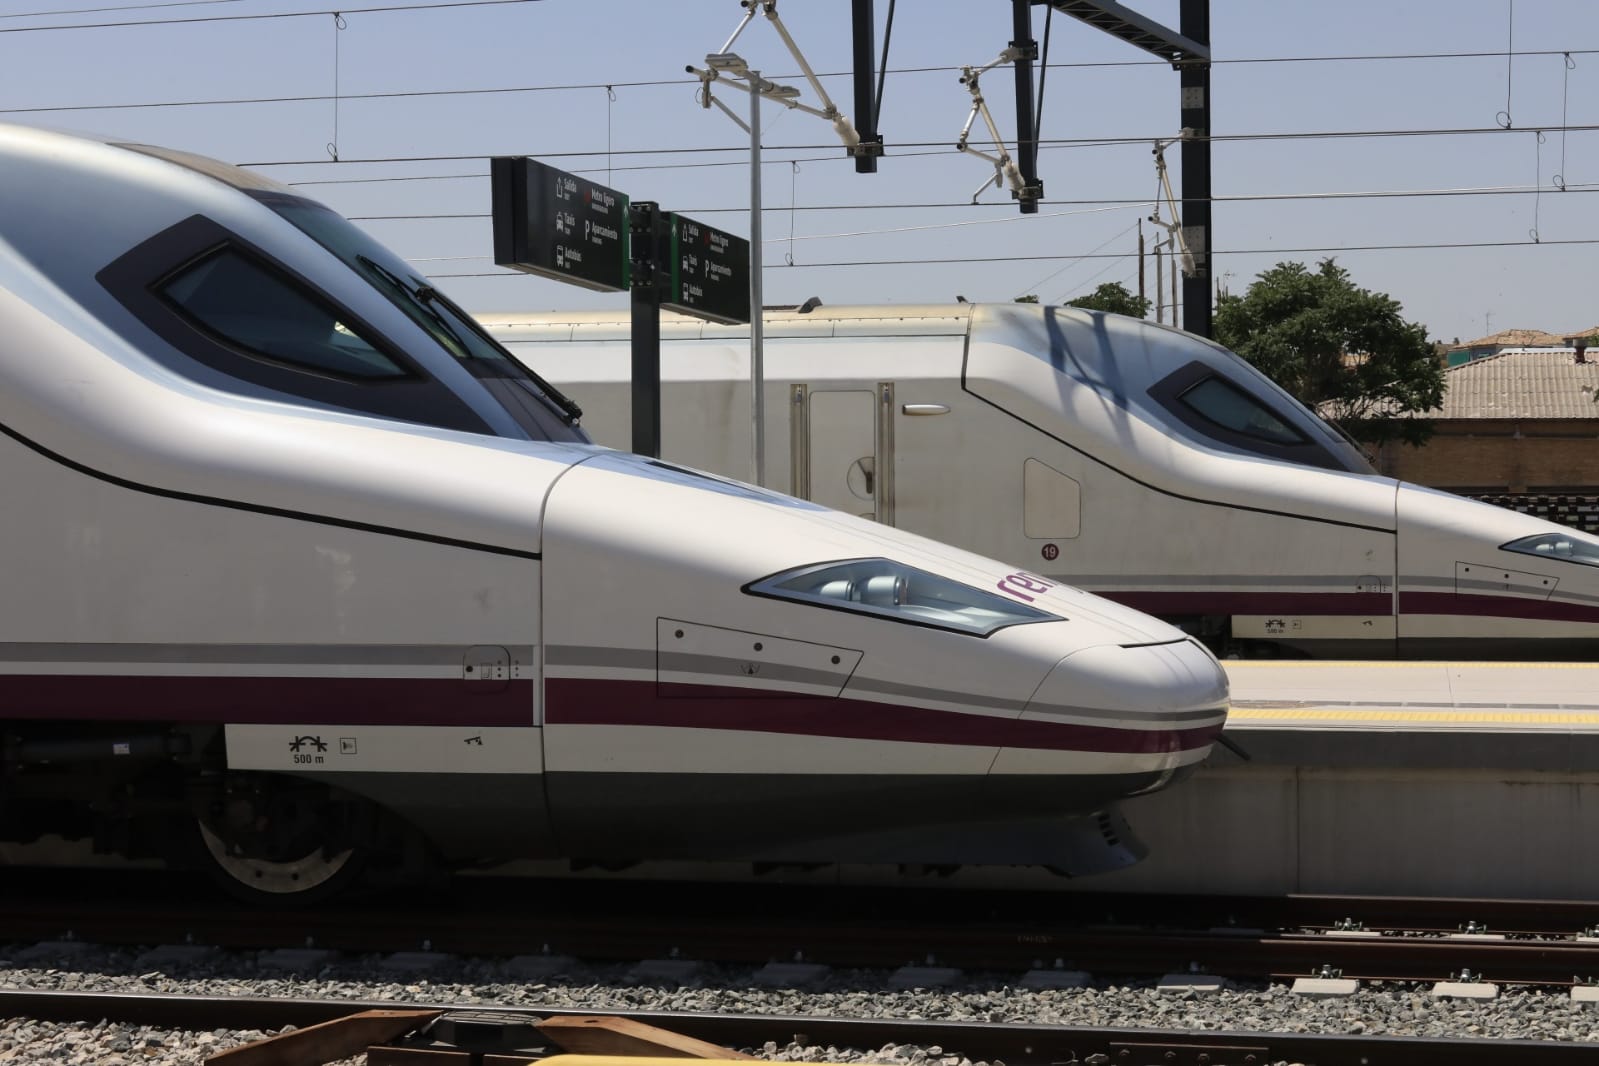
(1160, 287)
(1140, 259)
(1026, 131)
(648, 259)
(1194, 23)
(757, 368)
(1176, 273)
(865, 105)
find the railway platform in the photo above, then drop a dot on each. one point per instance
(1387, 778)
(1451, 715)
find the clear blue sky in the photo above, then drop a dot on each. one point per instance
(1455, 292)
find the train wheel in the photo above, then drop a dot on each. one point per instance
(309, 877)
(282, 843)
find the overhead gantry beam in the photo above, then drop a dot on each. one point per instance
(1138, 31)
(1188, 50)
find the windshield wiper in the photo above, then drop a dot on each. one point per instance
(434, 304)
(567, 407)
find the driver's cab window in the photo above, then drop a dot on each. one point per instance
(261, 313)
(1202, 401)
(236, 318)
(1231, 408)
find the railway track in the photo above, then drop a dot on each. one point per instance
(1012, 1043)
(1404, 940)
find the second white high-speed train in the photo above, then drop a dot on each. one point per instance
(1141, 462)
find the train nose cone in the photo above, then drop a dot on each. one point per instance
(1136, 714)
(1170, 682)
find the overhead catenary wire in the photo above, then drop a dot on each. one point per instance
(1053, 144)
(191, 20)
(963, 260)
(1312, 250)
(1081, 285)
(1074, 261)
(1504, 118)
(339, 26)
(1346, 194)
(791, 238)
(1565, 88)
(663, 82)
(955, 225)
(1537, 201)
(1062, 144)
(440, 4)
(116, 7)
(967, 205)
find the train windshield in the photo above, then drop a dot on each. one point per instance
(1242, 409)
(248, 306)
(1224, 404)
(537, 406)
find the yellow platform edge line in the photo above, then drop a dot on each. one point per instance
(1410, 714)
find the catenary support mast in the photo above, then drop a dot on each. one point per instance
(871, 145)
(1195, 155)
(1026, 50)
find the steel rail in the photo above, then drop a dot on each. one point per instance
(1017, 1043)
(634, 921)
(39, 887)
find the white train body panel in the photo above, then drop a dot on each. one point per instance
(754, 727)
(289, 541)
(1072, 443)
(1456, 588)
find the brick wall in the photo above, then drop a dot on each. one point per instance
(1485, 456)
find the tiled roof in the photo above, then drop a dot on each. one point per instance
(1531, 384)
(1518, 338)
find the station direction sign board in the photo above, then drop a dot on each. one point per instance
(709, 273)
(559, 225)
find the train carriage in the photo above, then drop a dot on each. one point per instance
(307, 579)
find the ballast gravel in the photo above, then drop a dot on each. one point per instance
(1375, 1009)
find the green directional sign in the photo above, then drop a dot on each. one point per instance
(559, 225)
(709, 273)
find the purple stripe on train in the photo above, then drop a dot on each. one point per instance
(585, 701)
(266, 700)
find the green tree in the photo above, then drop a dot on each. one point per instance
(1592, 344)
(1030, 298)
(1337, 347)
(1113, 297)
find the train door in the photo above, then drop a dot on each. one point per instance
(842, 449)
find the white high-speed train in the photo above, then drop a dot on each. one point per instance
(1142, 463)
(303, 569)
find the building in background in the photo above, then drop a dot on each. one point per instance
(1518, 427)
(1503, 341)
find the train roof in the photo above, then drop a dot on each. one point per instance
(889, 320)
(90, 386)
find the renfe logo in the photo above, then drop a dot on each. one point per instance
(1020, 584)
